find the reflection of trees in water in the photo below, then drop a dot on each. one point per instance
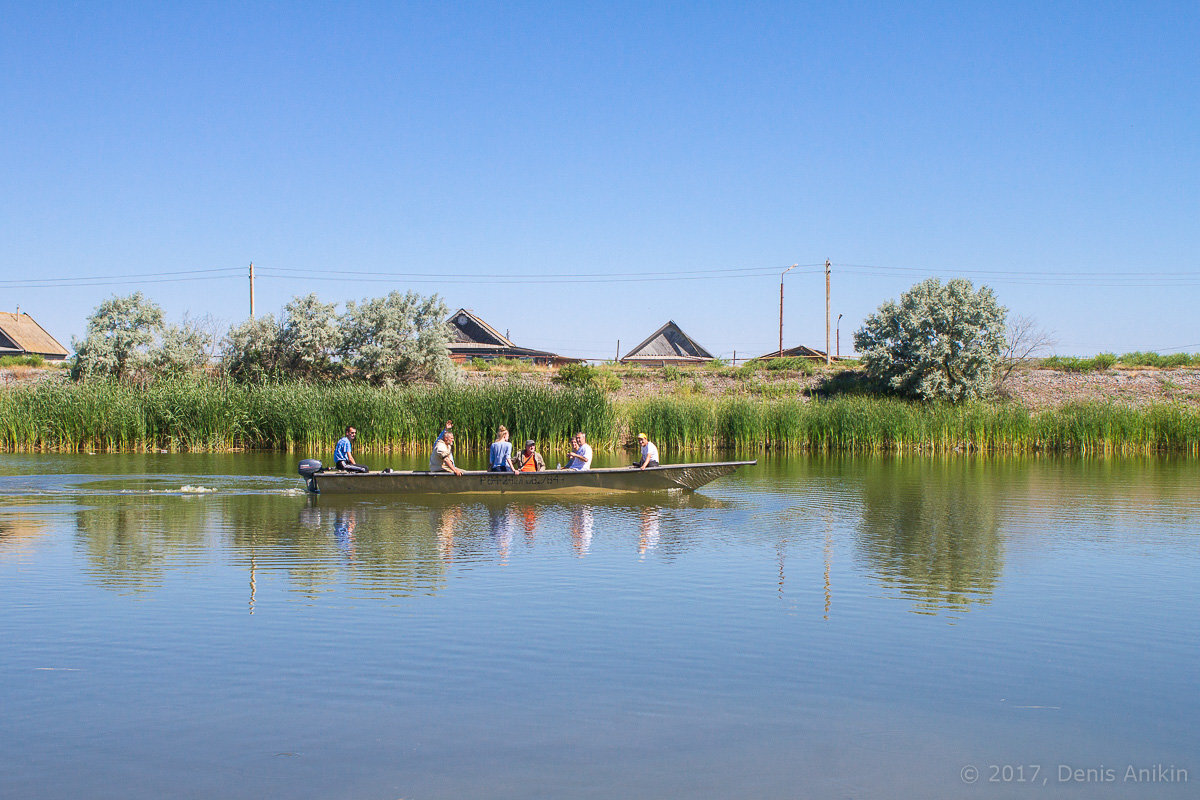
(129, 543)
(386, 546)
(931, 527)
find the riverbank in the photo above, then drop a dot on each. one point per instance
(1036, 389)
(217, 415)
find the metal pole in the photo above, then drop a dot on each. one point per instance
(251, 290)
(828, 361)
(839, 336)
(785, 272)
(618, 358)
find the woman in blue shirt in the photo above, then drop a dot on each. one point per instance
(500, 453)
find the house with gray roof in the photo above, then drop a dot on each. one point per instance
(667, 345)
(471, 337)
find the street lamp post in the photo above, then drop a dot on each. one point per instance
(785, 272)
(839, 336)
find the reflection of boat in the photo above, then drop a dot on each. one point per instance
(651, 479)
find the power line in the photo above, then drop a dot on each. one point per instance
(1137, 274)
(507, 281)
(129, 276)
(64, 284)
(641, 274)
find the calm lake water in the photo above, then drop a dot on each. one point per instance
(827, 627)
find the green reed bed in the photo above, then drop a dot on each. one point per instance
(220, 415)
(878, 424)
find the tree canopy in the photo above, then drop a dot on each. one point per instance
(939, 341)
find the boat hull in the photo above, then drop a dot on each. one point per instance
(687, 477)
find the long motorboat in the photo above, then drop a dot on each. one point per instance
(687, 477)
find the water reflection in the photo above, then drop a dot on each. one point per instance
(932, 531)
(649, 532)
(581, 529)
(129, 546)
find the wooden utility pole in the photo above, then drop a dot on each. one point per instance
(828, 360)
(251, 290)
(785, 272)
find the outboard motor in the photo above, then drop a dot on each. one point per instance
(308, 468)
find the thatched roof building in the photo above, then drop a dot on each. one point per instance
(471, 337)
(21, 336)
(667, 345)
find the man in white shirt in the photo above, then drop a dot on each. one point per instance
(442, 458)
(581, 456)
(649, 452)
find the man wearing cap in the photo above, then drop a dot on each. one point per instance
(649, 452)
(529, 459)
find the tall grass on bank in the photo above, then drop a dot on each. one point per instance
(221, 415)
(877, 424)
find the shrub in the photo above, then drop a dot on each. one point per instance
(791, 364)
(251, 351)
(31, 360)
(120, 335)
(937, 342)
(1140, 359)
(310, 337)
(396, 338)
(585, 376)
(1097, 363)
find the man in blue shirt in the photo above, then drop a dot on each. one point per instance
(341, 453)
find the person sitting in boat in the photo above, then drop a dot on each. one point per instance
(442, 458)
(581, 456)
(500, 453)
(342, 458)
(529, 459)
(649, 452)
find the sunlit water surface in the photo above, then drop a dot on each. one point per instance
(197, 626)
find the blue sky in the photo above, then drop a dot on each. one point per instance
(579, 173)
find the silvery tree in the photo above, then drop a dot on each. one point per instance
(251, 351)
(121, 334)
(310, 337)
(184, 349)
(129, 339)
(396, 338)
(939, 341)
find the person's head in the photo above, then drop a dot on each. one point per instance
(448, 439)
(642, 439)
(350, 432)
(530, 446)
(502, 434)
(580, 437)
